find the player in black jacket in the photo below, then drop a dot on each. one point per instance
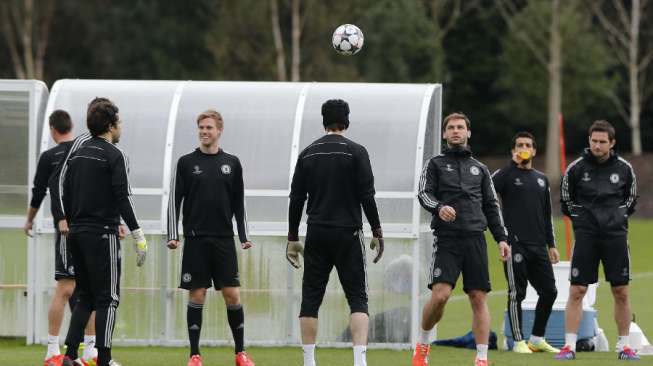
(599, 193)
(457, 189)
(64, 271)
(336, 175)
(209, 183)
(93, 195)
(526, 202)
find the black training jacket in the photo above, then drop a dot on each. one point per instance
(454, 178)
(336, 174)
(599, 197)
(211, 189)
(46, 167)
(526, 204)
(94, 185)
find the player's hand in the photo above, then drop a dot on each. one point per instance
(447, 213)
(246, 245)
(63, 227)
(554, 256)
(377, 244)
(504, 251)
(173, 244)
(28, 228)
(140, 245)
(293, 250)
(122, 232)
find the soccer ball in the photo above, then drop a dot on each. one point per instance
(347, 39)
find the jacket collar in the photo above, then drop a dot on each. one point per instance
(589, 157)
(458, 151)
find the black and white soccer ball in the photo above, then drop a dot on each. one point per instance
(347, 39)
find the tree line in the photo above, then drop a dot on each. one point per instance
(508, 64)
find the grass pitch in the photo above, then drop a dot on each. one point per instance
(456, 321)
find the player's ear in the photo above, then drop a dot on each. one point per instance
(469, 134)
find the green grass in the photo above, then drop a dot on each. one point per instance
(14, 352)
(456, 322)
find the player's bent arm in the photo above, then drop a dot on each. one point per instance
(428, 183)
(238, 199)
(491, 208)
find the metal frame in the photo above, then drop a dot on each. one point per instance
(408, 230)
(37, 92)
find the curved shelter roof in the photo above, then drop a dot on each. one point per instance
(266, 126)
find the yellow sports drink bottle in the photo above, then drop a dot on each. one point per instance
(524, 155)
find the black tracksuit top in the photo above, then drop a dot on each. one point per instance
(211, 188)
(599, 197)
(526, 200)
(454, 178)
(336, 174)
(46, 167)
(95, 188)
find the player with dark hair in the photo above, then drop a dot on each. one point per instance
(93, 195)
(458, 191)
(209, 184)
(336, 175)
(526, 200)
(599, 193)
(64, 271)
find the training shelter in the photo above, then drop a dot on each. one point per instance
(267, 124)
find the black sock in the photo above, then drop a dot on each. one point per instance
(194, 321)
(103, 356)
(72, 301)
(78, 321)
(236, 318)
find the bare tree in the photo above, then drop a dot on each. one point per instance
(622, 33)
(26, 30)
(445, 14)
(278, 41)
(547, 50)
(296, 37)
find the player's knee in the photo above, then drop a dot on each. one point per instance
(576, 293)
(520, 295)
(231, 295)
(620, 294)
(197, 296)
(309, 310)
(357, 305)
(477, 299)
(440, 294)
(65, 288)
(550, 294)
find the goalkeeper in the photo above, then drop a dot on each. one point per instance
(209, 184)
(336, 174)
(93, 193)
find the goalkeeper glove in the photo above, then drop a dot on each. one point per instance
(377, 244)
(140, 245)
(293, 249)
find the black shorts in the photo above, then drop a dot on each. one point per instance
(327, 247)
(461, 253)
(209, 259)
(589, 249)
(63, 258)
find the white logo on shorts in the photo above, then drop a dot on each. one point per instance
(575, 272)
(186, 277)
(71, 270)
(474, 170)
(540, 181)
(437, 272)
(518, 258)
(226, 169)
(614, 178)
